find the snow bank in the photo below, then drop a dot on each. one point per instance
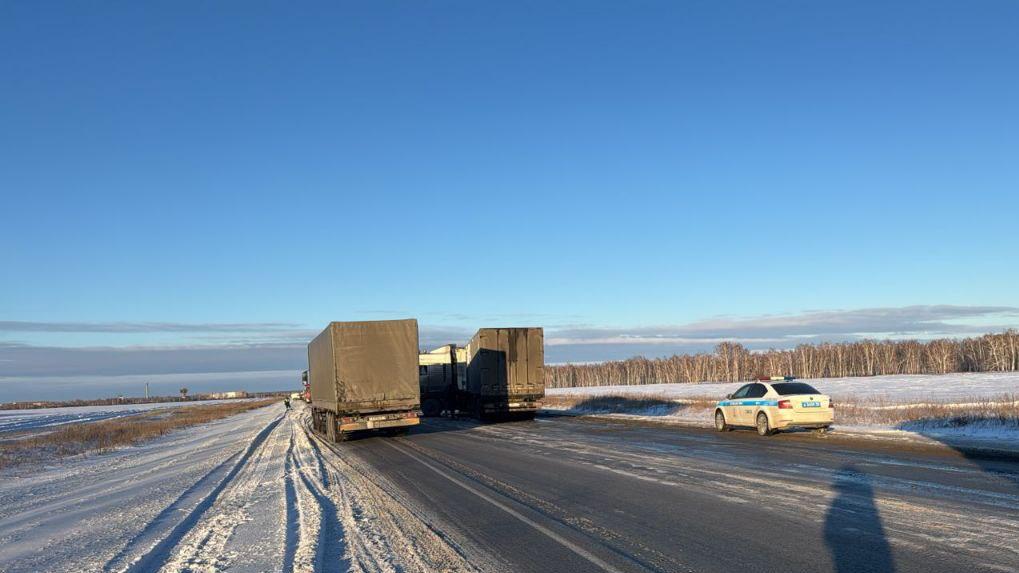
(978, 406)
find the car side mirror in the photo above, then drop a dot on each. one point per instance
(728, 396)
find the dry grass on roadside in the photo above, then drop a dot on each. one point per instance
(104, 436)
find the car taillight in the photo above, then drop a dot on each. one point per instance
(785, 405)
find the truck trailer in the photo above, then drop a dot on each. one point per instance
(505, 373)
(364, 376)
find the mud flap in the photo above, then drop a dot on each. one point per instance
(331, 427)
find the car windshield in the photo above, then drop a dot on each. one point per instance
(790, 388)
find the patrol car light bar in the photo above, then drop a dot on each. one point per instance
(777, 378)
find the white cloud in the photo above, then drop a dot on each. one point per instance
(917, 321)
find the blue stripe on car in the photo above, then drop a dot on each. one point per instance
(748, 403)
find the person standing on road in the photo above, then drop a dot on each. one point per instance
(286, 402)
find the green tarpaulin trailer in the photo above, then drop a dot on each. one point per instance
(364, 376)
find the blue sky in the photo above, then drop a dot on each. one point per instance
(211, 182)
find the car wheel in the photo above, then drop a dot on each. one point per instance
(720, 424)
(763, 428)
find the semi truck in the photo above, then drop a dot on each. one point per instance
(439, 373)
(306, 393)
(364, 376)
(505, 373)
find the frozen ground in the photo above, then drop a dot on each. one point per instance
(961, 392)
(42, 418)
(252, 492)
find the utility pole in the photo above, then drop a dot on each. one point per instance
(146, 390)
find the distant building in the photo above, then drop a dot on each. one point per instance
(227, 395)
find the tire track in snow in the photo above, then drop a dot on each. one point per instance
(164, 520)
(156, 555)
(326, 544)
(291, 538)
(222, 538)
(80, 501)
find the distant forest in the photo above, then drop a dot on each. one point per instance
(732, 362)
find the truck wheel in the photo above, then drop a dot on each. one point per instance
(431, 407)
(763, 427)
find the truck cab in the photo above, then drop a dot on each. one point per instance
(439, 374)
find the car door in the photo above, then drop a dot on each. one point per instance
(750, 403)
(732, 405)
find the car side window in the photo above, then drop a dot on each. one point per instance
(756, 391)
(742, 392)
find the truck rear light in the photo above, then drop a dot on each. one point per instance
(411, 415)
(347, 420)
(785, 405)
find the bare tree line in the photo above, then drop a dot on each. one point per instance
(732, 362)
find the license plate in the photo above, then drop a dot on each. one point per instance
(810, 404)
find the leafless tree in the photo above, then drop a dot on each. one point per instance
(731, 362)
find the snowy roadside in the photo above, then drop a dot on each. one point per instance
(43, 444)
(977, 410)
(251, 492)
(12, 421)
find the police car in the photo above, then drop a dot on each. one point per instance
(773, 404)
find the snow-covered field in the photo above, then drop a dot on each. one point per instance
(964, 393)
(253, 492)
(42, 418)
(897, 388)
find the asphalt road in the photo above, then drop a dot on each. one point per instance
(571, 494)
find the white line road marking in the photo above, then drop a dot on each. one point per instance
(594, 559)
